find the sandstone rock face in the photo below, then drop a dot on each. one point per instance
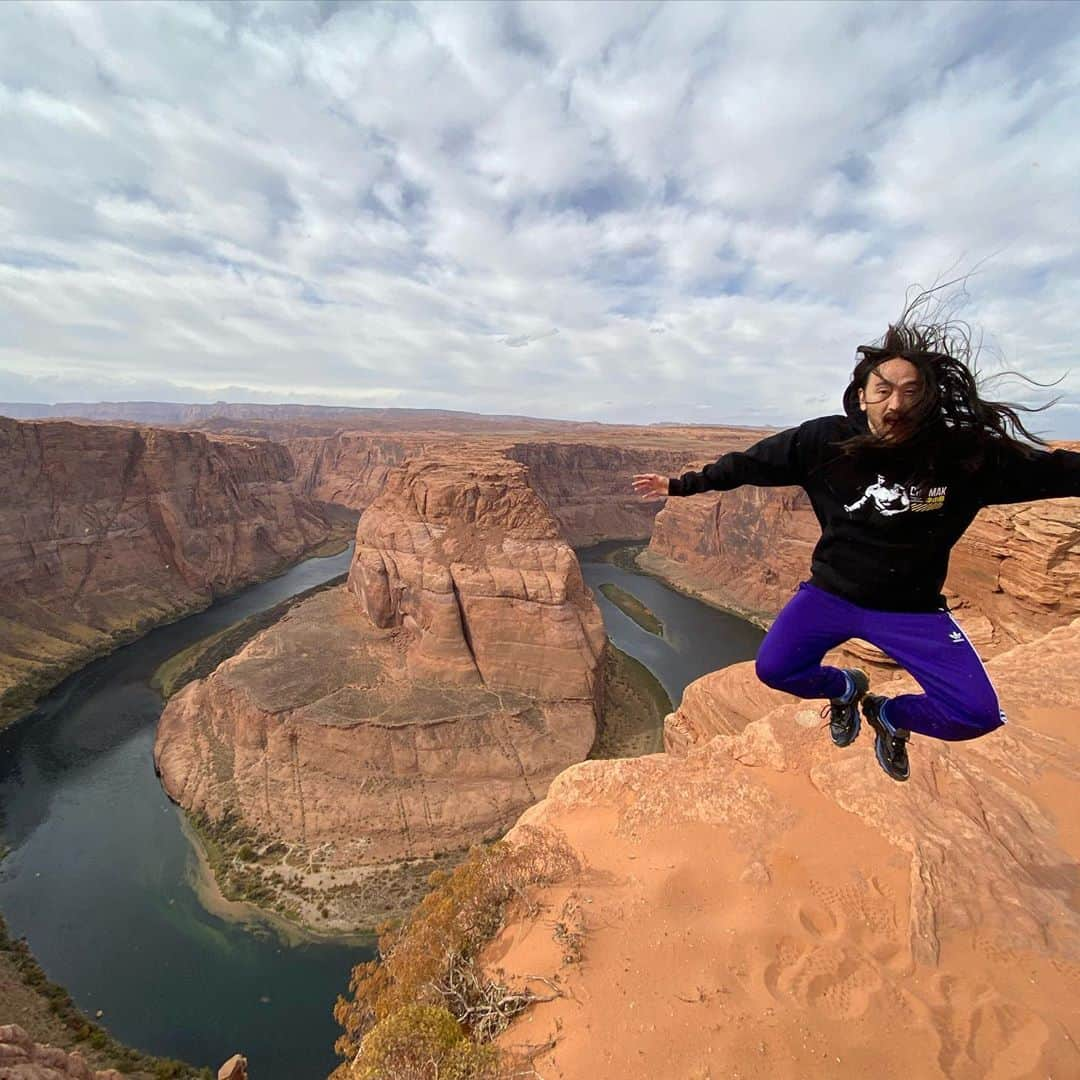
(412, 713)
(583, 479)
(465, 556)
(720, 705)
(348, 468)
(770, 902)
(23, 1059)
(106, 531)
(1018, 567)
(587, 486)
(750, 547)
(234, 1069)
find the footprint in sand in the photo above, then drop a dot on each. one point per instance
(788, 954)
(816, 919)
(836, 980)
(844, 949)
(980, 1036)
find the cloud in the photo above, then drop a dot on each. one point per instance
(522, 340)
(391, 201)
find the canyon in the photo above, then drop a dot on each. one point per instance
(107, 531)
(751, 896)
(584, 479)
(394, 721)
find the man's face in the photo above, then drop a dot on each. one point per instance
(891, 391)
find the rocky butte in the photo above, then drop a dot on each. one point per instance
(406, 715)
(108, 531)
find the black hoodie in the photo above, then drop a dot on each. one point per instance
(889, 517)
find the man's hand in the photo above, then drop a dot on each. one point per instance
(651, 486)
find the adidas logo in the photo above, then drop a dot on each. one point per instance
(956, 636)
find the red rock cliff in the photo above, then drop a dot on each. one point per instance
(587, 486)
(584, 480)
(348, 467)
(466, 556)
(106, 531)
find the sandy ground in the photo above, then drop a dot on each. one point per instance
(238, 911)
(687, 952)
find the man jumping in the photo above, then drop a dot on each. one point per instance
(894, 483)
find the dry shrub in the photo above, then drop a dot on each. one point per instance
(430, 959)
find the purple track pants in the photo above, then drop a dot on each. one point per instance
(959, 703)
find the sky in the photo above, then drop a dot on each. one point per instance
(626, 212)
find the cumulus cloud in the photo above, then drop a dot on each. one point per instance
(386, 203)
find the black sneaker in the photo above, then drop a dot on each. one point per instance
(890, 746)
(844, 715)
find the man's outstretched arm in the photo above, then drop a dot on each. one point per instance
(1012, 476)
(774, 462)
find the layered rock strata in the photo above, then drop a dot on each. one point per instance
(348, 468)
(587, 486)
(107, 531)
(767, 904)
(584, 480)
(418, 709)
(1018, 567)
(746, 550)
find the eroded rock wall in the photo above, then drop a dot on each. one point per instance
(587, 486)
(584, 480)
(464, 555)
(107, 531)
(746, 550)
(349, 468)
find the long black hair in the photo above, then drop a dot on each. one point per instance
(950, 410)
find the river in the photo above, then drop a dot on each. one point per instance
(100, 873)
(697, 638)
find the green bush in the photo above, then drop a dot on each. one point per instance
(422, 1042)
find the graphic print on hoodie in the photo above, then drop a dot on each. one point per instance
(889, 518)
(889, 499)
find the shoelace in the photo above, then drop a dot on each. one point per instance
(826, 709)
